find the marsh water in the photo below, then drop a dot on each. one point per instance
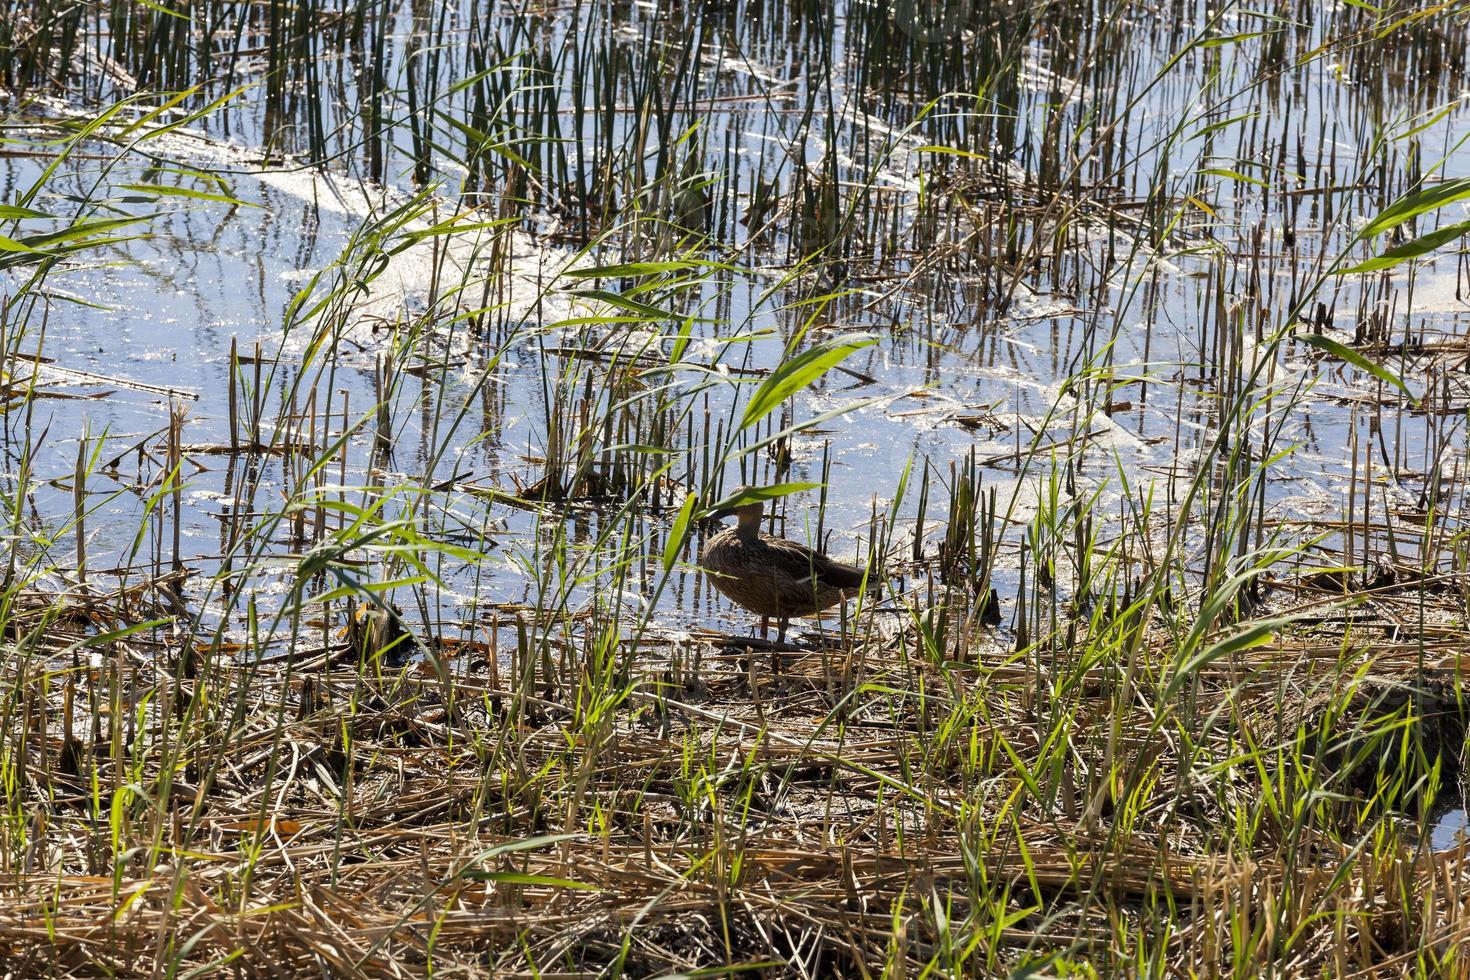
(1068, 266)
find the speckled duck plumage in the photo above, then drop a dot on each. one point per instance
(774, 577)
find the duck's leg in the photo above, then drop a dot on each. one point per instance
(765, 627)
(781, 625)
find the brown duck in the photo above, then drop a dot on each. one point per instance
(772, 576)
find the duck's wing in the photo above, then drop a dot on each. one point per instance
(802, 564)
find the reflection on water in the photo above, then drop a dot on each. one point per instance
(1449, 826)
(981, 322)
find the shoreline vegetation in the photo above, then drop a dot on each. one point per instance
(371, 371)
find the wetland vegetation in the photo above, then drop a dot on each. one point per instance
(373, 372)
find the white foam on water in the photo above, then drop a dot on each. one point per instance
(410, 275)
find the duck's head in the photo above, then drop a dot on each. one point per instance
(747, 508)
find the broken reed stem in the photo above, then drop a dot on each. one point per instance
(175, 475)
(234, 396)
(79, 510)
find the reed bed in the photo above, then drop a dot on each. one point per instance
(361, 634)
